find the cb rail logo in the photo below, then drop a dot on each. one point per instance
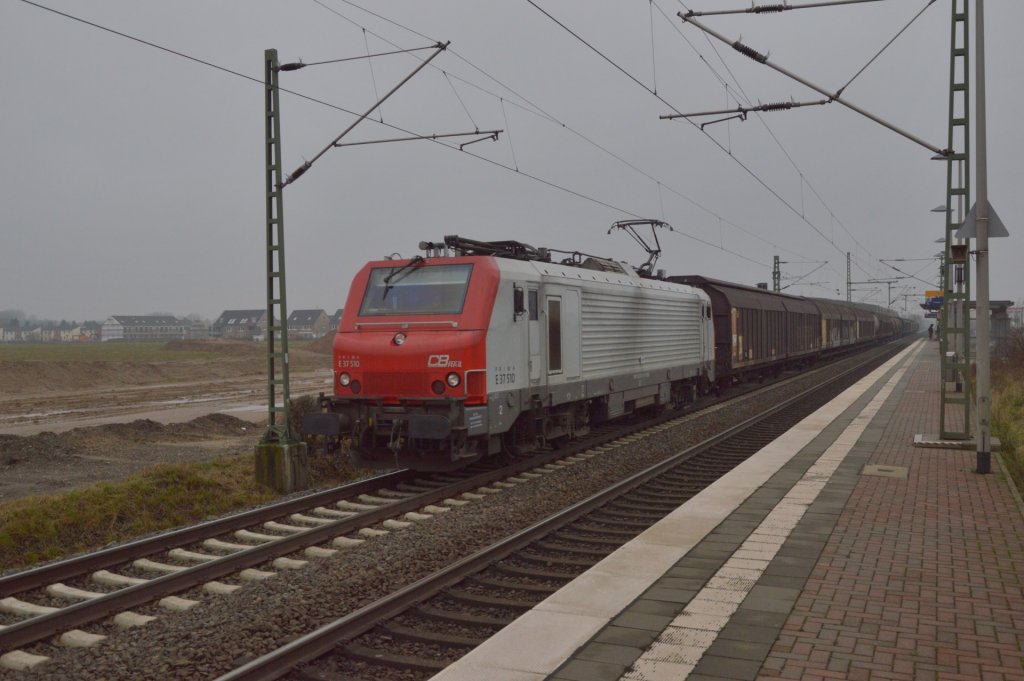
(443, 362)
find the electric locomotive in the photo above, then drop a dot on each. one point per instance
(481, 347)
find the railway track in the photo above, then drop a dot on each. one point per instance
(172, 571)
(52, 600)
(70, 603)
(419, 630)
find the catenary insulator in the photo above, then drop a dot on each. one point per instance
(750, 52)
(776, 106)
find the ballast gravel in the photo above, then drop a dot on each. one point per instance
(223, 632)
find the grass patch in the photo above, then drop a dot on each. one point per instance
(115, 351)
(36, 529)
(1008, 426)
(42, 528)
(1008, 404)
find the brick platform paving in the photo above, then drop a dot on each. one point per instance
(922, 577)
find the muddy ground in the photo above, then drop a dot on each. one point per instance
(53, 462)
(66, 425)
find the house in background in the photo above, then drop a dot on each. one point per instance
(241, 325)
(15, 331)
(308, 324)
(332, 325)
(144, 327)
(91, 331)
(69, 333)
(10, 332)
(198, 328)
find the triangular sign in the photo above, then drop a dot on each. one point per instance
(969, 229)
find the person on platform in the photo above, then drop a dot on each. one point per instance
(931, 331)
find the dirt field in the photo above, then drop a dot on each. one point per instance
(72, 417)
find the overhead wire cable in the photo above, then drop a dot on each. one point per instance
(344, 110)
(201, 61)
(373, 77)
(788, 156)
(458, 97)
(799, 279)
(539, 111)
(914, 275)
(508, 135)
(327, 104)
(295, 66)
(928, 4)
(760, 118)
(735, 159)
(772, 9)
(654, 61)
(664, 101)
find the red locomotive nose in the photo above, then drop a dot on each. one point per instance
(425, 360)
(418, 331)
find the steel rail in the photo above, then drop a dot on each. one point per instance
(279, 662)
(34, 578)
(42, 626)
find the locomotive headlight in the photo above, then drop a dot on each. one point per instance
(399, 338)
(454, 379)
(344, 379)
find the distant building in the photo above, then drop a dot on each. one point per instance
(144, 327)
(1016, 315)
(241, 325)
(10, 332)
(198, 328)
(69, 333)
(49, 332)
(308, 324)
(92, 331)
(332, 325)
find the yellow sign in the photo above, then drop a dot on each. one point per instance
(932, 294)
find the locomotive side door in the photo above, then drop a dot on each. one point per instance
(533, 332)
(562, 312)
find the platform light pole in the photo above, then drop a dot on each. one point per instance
(984, 388)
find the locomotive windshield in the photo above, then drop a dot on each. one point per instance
(416, 289)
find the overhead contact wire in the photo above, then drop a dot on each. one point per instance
(539, 111)
(761, 119)
(666, 103)
(373, 77)
(464, 108)
(508, 135)
(633, 78)
(344, 110)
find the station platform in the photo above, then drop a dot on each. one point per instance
(839, 551)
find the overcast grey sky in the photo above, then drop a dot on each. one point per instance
(132, 179)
